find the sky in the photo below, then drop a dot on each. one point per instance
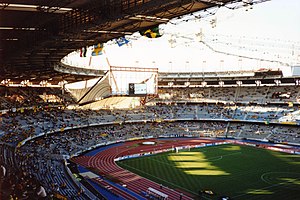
(241, 39)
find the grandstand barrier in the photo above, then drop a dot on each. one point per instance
(22, 109)
(79, 185)
(267, 145)
(254, 143)
(156, 194)
(144, 121)
(177, 148)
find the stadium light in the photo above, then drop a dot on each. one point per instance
(277, 82)
(5, 82)
(239, 83)
(108, 32)
(221, 83)
(11, 39)
(170, 84)
(43, 83)
(149, 18)
(33, 8)
(62, 83)
(25, 82)
(258, 82)
(6, 28)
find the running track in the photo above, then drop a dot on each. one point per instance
(104, 163)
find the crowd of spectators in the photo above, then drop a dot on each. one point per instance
(23, 97)
(17, 126)
(264, 132)
(260, 94)
(16, 183)
(38, 168)
(51, 172)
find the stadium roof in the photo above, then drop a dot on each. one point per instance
(36, 35)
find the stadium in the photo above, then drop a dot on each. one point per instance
(112, 100)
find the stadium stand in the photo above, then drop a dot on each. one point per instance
(245, 94)
(43, 127)
(45, 137)
(22, 97)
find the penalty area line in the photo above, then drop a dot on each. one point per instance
(160, 179)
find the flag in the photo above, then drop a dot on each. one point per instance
(84, 51)
(97, 49)
(121, 41)
(19, 144)
(151, 33)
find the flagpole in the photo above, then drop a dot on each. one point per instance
(104, 52)
(110, 72)
(90, 61)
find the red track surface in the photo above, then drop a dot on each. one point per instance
(113, 189)
(104, 163)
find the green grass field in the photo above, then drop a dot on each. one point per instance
(240, 172)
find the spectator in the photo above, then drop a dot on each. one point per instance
(2, 171)
(41, 193)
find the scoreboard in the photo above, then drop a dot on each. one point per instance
(137, 89)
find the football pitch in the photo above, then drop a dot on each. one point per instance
(238, 172)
